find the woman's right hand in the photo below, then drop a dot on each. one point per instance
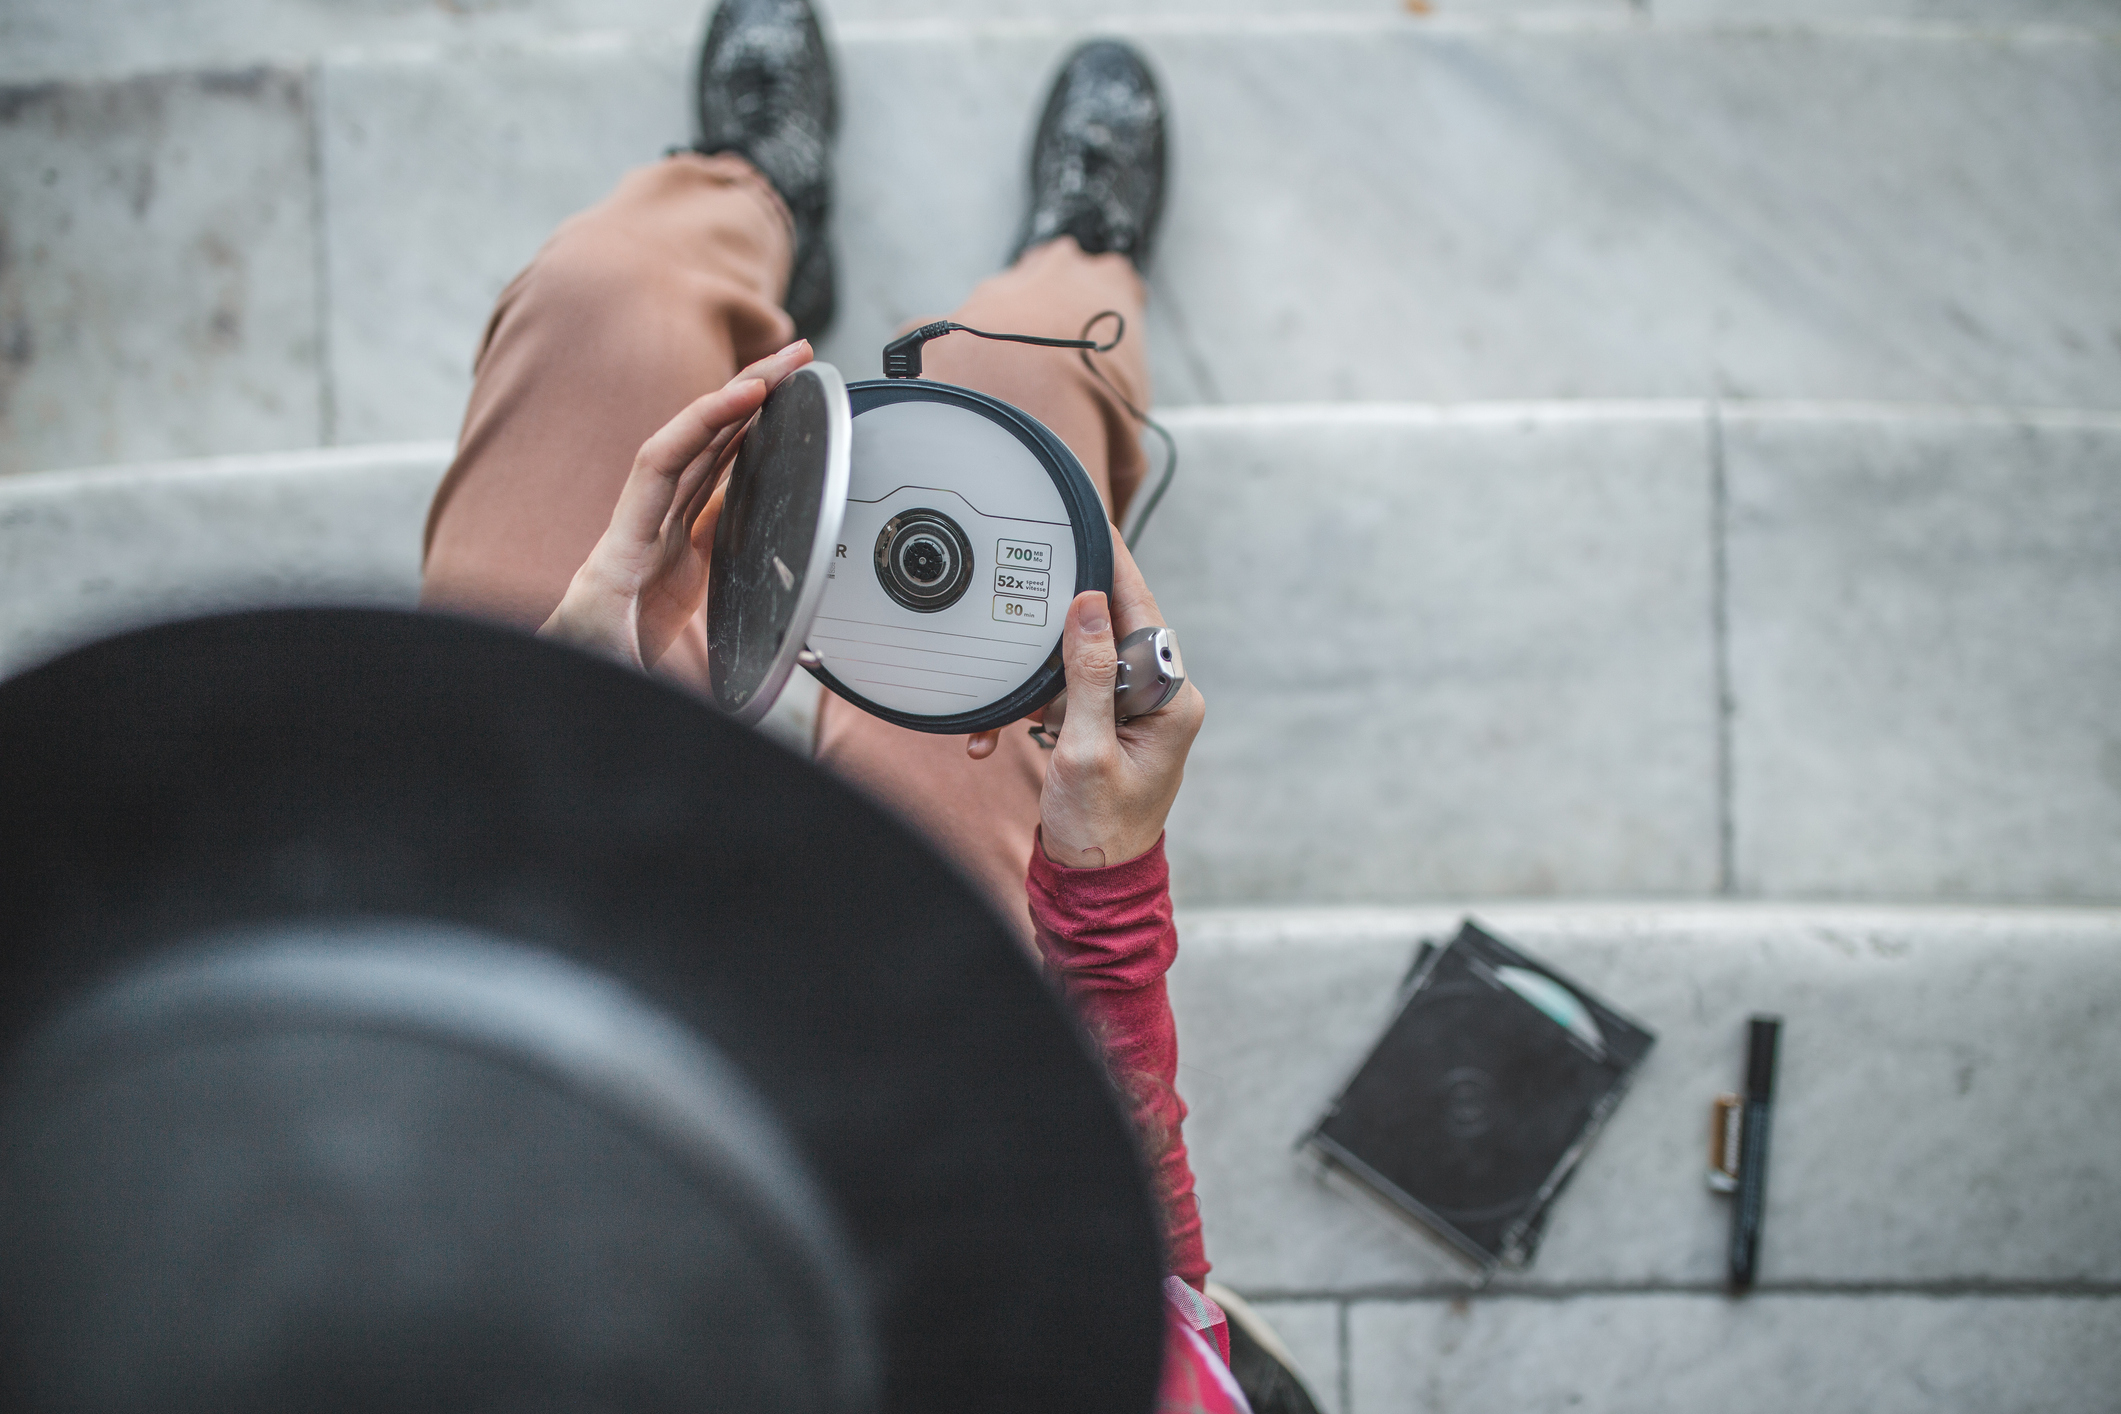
(647, 575)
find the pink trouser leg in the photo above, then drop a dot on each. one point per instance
(659, 294)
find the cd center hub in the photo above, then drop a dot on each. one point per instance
(923, 560)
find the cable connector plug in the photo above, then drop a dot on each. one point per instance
(902, 356)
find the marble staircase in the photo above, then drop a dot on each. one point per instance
(1651, 478)
(1937, 1243)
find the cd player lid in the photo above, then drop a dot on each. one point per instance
(773, 546)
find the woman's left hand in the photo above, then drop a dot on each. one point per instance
(647, 575)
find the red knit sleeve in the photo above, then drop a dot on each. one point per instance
(1107, 937)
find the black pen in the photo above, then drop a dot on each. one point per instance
(1748, 1210)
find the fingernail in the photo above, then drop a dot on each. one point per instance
(798, 344)
(1094, 621)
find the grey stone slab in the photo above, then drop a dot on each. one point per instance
(1764, 1355)
(1925, 649)
(1444, 653)
(67, 38)
(1934, 1124)
(931, 168)
(1571, 211)
(1832, 15)
(157, 269)
(88, 553)
(43, 39)
(1311, 1331)
(1575, 208)
(83, 554)
(442, 181)
(1443, 214)
(444, 178)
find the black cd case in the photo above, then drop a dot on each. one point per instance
(1477, 1103)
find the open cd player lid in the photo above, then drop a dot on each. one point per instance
(773, 545)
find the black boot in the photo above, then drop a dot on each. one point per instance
(1097, 164)
(766, 93)
(1259, 1362)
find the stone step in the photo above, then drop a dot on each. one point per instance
(1939, 1230)
(1664, 1354)
(1667, 649)
(84, 554)
(1367, 206)
(72, 39)
(88, 553)
(1898, 588)
(1523, 649)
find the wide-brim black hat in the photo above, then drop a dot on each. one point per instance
(399, 1012)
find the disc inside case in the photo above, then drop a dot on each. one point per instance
(1479, 1100)
(912, 544)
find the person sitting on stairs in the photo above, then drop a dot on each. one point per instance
(589, 434)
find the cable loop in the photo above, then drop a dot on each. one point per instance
(902, 359)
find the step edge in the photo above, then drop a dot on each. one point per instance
(1296, 922)
(1561, 23)
(1209, 418)
(1620, 410)
(294, 462)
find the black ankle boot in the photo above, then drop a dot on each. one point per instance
(766, 93)
(1097, 164)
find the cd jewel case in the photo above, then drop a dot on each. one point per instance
(1476, 1104)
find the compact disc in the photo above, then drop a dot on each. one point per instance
(969, 528)
(1557, 1001)
(913, 544)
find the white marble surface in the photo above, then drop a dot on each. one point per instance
(88, 553)
(445, 178)
(1620, 213)
(1988, 15)
(442, 181)
(1936, 1136)
(1444, 653)
(1934, 1121)
(937, 127)
(1925, 651)
(42, 39)
(157, 269)
(84, 554)
(1458, 652)
(1535, 214)
(1513, 214)
(1876, 1354)
(1362, 208)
